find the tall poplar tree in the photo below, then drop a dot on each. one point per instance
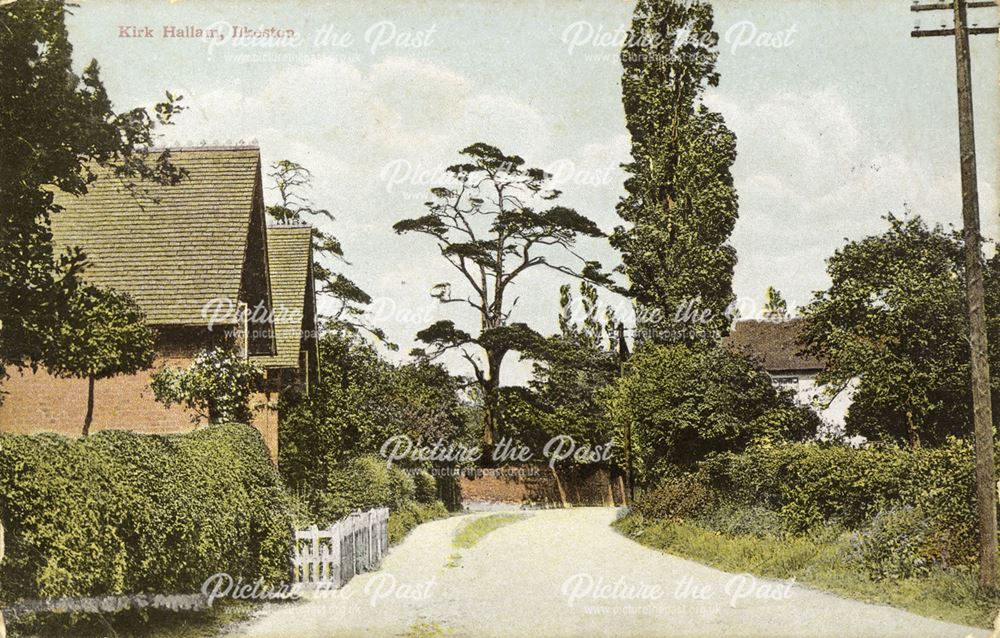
(681, 205)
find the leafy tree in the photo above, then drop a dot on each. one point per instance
(775, 306)
(359, 402)
(894, 318)
(686, 402)
(291, 180)
(681, 205)
(487, 225)
(55, 128)
(570, 370)
(217, 386)
(103, 334)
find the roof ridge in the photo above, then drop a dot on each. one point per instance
(251, 146)
(297, 225)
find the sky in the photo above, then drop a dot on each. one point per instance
(840, 116)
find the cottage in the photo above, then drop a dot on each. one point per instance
(295, 361)
(195, 257)
(777, 345)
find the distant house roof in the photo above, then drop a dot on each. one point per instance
(776, 344)
(289, 250)
(185, 245)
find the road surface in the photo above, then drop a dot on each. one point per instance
(567, 573)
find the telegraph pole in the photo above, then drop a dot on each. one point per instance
(980, 365)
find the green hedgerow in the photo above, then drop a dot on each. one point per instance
(685, 496)
(120, 512)
(426, 487)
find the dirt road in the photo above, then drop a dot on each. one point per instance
(567, 573)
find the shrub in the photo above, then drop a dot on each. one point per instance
(217, 386)
(682, 497)
(410, 515)
(121, 512)
(814, 484)
(360, 484)
(401, 488)
(426, 487)
(896, 544)
(684, 403)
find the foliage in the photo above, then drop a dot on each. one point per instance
(894, 544)
(683, 403)
(120, 512)
(813, 484)
(217, 386)
(818, 560)
(775, 306)
(677, 498)
(681, 205)
(358, 403)
(411, 514)
(894, 317)
(570, 370)
(493, 222)
(425, 487)
(292, 180)
(361, 484)
(103, 334)
(55, 128)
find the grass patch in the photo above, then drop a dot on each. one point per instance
(424, 629)
(820, 561)
(474, 531)
(454, 560)
(147, 623)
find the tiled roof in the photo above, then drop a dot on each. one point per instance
(174, 254)
(777, 344)
(289, 250)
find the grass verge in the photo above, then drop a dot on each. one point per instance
(474, 531)
(148, 623)
(819, 561)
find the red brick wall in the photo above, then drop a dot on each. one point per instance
(539, 485)
(38, 402)
(265, 419)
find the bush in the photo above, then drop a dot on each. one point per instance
(120, 512)
(682, 497)
(410, 515)
(896, 544)
(401, 488)
(360, 484)
(426, 487)
(684, 403)
(217, 386)
(815, 484)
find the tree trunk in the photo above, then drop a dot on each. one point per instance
(90, 406)
(491, 417)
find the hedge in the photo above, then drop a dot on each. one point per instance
(810, 484)
(363, 483)
(120, 512)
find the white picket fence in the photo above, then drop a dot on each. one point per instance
(352, 545)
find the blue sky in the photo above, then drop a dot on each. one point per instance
(840, 116)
